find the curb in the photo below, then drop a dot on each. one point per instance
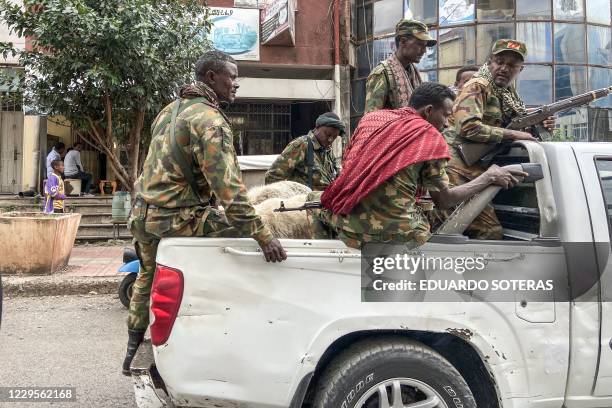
(54, 286)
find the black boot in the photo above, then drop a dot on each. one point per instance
(136, 337)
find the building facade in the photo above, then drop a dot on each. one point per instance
(568, 43)
(290, 82)
(300, 58)
(11, 121)
(285, 53)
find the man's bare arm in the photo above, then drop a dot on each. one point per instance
(495, 175)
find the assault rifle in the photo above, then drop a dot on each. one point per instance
(308, 205)
(472, 152)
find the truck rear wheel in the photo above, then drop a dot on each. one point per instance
(392, 372)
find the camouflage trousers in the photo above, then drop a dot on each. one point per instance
(486, 225)
(357, 240)
(148, 225)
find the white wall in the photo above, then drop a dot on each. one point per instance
(289, 89)
(5, 36)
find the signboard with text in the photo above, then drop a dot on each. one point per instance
(278, 23)
(236, 32)
(250, 3)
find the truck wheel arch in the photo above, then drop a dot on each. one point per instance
(460, 353)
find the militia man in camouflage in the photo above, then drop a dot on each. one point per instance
(486, 105)
(191, 159)
(394, 156)
(309, 159)
(391, 82)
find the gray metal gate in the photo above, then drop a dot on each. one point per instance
(11, 151)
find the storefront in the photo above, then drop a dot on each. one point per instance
(285, 69)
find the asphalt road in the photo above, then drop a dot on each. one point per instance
(66, 341)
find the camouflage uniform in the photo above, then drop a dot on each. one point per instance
(480, 113)
(291, 164)
(390, 212)
(390, 85)
(381, 88)
(166, 206)
(476, 117)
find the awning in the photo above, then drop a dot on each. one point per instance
(260, 162)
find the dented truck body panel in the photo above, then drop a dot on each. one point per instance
(262, 327)
(248, 332)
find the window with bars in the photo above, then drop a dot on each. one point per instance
(260, 128)
(10, 94)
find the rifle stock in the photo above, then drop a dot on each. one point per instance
(473, 152)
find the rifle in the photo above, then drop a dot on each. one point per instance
(472, 152)
(308, 205)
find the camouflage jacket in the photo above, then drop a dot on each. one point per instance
(381, 89)
(205, 134)
(477, 116)
(390, 213)
(291, 164)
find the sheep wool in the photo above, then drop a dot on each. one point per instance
(281, 189)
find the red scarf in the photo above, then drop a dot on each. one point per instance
(385, 142)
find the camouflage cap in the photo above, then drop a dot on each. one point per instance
(416, 29)
(509, 45)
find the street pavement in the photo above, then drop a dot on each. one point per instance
(75, 341)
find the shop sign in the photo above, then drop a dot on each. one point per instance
(250, 3)
(236, 32)
(278, 23)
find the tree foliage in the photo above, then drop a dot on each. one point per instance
(108, 66)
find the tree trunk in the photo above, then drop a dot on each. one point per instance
(134, 145)
(100, 141)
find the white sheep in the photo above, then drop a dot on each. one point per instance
(290, 224)
(280, 189)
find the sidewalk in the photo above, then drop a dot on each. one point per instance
(95, 261)
(91, 268)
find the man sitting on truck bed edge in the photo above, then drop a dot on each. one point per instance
(191, 161)
(393, 157)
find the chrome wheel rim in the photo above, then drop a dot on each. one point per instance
(401, 393)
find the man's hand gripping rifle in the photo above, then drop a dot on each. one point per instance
(472, 152)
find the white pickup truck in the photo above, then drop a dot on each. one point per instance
(230, 330)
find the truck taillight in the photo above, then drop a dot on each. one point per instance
(166, 296)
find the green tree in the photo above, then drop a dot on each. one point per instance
(108, 66)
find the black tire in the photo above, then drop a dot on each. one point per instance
(125, 288)
(360, 369)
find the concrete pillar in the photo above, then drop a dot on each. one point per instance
(342, 101)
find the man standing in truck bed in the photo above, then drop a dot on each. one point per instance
(486, 105)
(391, 82)
(191, 161)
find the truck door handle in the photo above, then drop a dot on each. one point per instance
(338, 254)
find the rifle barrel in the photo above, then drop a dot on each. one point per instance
(581, 99)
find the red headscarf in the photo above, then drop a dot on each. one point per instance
(385, 142)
